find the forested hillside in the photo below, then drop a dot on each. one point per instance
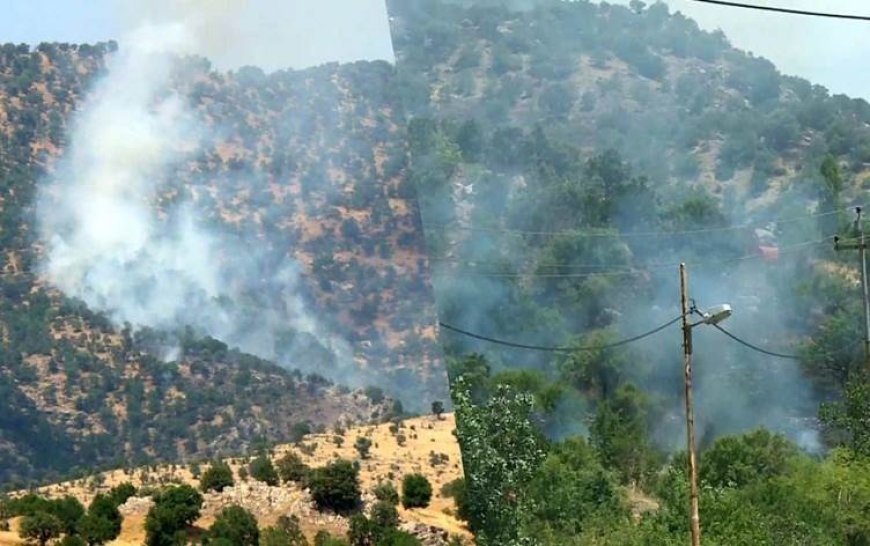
(568, 156)
(551, 228)
(682, 103)
(307, 166)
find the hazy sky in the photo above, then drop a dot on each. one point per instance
(34, 21)
(269, 33)
(282, 33)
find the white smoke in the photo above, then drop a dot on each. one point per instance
(104, 241)
(108, 243)
(273, 34)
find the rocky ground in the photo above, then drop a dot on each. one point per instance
(424, 444)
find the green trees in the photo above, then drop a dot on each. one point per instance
(437, 408)
(375, 394)
(470, 140)
(739, 461)
(850, 417)
(41, 527)
(235, 526)
(66, 516)
(385, 491)
(557, 99)
(534, 275)
(459, 491)
(501, 449)
(291, 468)
(531, 382)
(261, 469)
(830, 194)
(335, 486)
(174, 509)
(384, 515)
(121, 492)
(380, 529)
(772, 495)
(833, 360)
(69, 512)
(361, 532)
(572, 488)
(103, 520)
(299, 431)
(572, 31)
(596, 373)
(218, 476)
(44, 91)
(285, 532)
(416, 491)
(619, 434)
(362, 446)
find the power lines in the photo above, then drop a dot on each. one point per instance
(565, 349)
(472, 269)
(609, 233)
(789, 11)
(559, 349)
(599, 270)
(615, 271)
(754, 347)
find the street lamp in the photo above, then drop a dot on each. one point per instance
(712, 316)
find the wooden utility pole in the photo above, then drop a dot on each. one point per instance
(694, 515)
(861, 246)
